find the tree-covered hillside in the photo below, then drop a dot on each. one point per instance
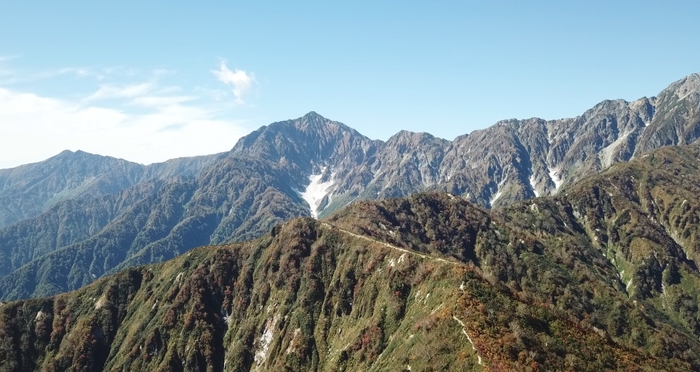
(600, 277)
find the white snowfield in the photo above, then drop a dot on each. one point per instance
(316, 191)
(534, 186)
(497, 194)
(495, 197)
(555, 178)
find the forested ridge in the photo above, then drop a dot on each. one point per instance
(601, 276)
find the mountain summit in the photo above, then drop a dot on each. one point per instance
(76, 217)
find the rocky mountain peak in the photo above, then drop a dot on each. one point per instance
(676, 119)
(409, 138)
(687, 86)
(312, 117)
(65, 152)
(79, 154)
(304, 141)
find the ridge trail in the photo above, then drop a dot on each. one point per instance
(404, 250)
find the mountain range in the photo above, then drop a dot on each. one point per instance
(601, 276)
(76, 217)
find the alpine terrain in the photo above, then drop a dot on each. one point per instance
(601, 276)
(76, 217)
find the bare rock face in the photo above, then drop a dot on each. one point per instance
(510, 161)
(676, 120)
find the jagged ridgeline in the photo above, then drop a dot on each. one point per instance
(76, 217)
(602, 276)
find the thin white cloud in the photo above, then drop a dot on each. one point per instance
(20, 75)
(35, 128)
(240, 81)
(8, 58)
(77, 71)
(119, 70)
(161, 101)
(148, 93)
(14, 76)
(143, 121)
(112, 91)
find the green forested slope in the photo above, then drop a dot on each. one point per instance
(601, 277)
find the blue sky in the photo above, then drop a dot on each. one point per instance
(148, 82)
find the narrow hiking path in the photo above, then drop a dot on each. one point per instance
(375, 241)
(423, 256)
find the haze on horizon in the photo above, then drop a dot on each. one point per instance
(150, 82)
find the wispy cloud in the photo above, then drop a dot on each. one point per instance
(162, 101)
(144, 121)
(113, 91)
(18, 75)
(6, 72)
(40, 127)
(8, 58)
(15, 76)
(240, 81)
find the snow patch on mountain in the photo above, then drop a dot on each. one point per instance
(607, 153)
(555, 178)
(495, 197)
(316, 191)
(534, 187)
